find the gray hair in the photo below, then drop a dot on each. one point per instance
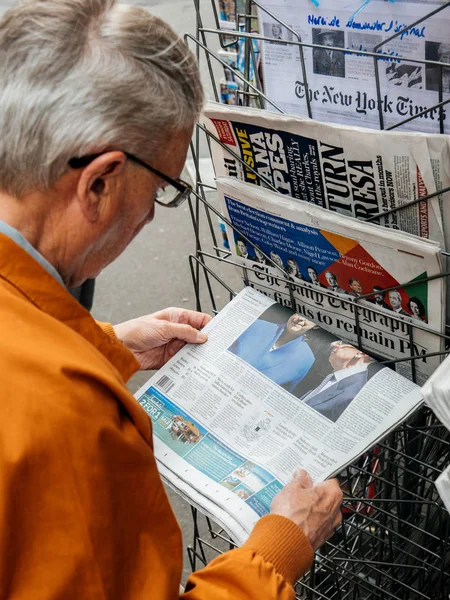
(78, 77)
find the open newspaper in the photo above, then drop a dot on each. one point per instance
(341, 85)
(349, 170)
(328, 262)
(268, 393)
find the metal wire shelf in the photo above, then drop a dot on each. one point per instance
(395, 539)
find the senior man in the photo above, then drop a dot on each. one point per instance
(98, 103)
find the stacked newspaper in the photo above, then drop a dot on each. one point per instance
(336, 269)
(348, 170)
(268, 393)
(339, 79)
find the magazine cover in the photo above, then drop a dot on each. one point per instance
(333, 262)
(341, 85)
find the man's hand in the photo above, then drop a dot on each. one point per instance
(155, 338)
(314, 508)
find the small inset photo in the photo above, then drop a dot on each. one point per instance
(328, 62)
(405, 75)
(440, 52)
(277, 32)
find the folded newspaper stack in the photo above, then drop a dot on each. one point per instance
(349, 170)
(436, 394)
(327, 262)
(268, 393)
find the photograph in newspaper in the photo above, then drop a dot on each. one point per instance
(340, 79)
(229, 434)
(334, 261)
(348, 170)
(324, 373)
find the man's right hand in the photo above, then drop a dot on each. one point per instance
(314, 508)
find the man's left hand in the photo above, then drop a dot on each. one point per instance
(155, 338)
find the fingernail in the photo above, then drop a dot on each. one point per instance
(301, 473)
(201, 337)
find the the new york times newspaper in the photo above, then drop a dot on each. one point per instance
(330, 261)
(341, 85)
(268, 393)
(348, 170)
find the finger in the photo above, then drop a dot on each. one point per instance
(338, 520)
(186, 333)
(302, 478)
(184, 316)
(332, 490)
(173, 347)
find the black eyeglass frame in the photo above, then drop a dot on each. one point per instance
(183, 188)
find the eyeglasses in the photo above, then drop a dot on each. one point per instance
(170, 197)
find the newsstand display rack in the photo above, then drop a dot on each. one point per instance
(394, 541)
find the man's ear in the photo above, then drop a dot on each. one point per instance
(99, 182)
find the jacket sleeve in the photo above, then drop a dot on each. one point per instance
(275, 555)
(107, 328)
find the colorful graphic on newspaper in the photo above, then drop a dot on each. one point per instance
(334, 260)
(350, 171)
(188, 439)
(341, 85)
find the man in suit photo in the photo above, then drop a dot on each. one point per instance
(333, 284)
(328, 61)
(350, 374)
(355, 287)
(279, 351)
(243, 250)
(314, 277)
(379, 298)
(395, 299)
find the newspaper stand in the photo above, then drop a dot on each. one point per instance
(394, 543)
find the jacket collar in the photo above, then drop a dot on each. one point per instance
(22, 271)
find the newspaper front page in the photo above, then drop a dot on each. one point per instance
(329, 261)
(348, 170)
(341, 85)
(268, 393)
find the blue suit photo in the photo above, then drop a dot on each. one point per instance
(286, 365)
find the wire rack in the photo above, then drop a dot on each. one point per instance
(394, 542)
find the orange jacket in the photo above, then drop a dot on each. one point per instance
(83, 512)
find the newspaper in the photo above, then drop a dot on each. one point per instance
(268, 393)
(341, 85)
(436, 393)
(349, 170)
(327, 262)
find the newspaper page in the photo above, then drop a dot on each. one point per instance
(341, 86)
(348, 170)
(329, 262)
(268, 393)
